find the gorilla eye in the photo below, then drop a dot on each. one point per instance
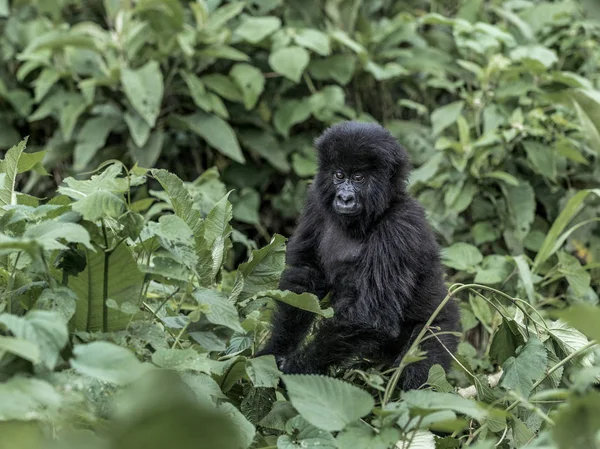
(358, 178)
(339, 175)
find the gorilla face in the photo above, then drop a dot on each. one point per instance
(347, 200)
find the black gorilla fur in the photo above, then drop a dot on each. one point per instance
(381, 264)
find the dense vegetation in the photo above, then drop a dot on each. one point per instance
(168, 152)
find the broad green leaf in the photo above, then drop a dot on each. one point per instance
(437, 379)
(124, 283)
(419, 439)
(221, 309)
(339, 68)
(445, 116)
(147, 155)
(224, 14)
(261, 272)
(461, 256)
(180, 198)
(250, 81)
(144, 89)
(90, 139)
(108, 362)
(217, 133)
(266, 145)
(290, 113)
(542, 158)
(361, 435)
(425, 401)
(9, 166)
(181, 360)
(587, 105)
(44, 82)
(245, 208)
(521, 205)
(100, 204)
(197, 91)
(20, 347)
(303, 435)
(177, 238)
(571, 209)
(583, 317)
(570, 340)
(385, 72)
(138, 128)
(290, 62)
(304, 301)
(314, 40)
(263, 371)
(279, 415)
(526, 278)
(505, 342)
(214, 230)
(26, 398)
(578, 421)
(577, 276)
(47, 330)
(327, 403)
(244, 429)
(342, 37)
(503, 176)
(528, 366)
(224, 86)
(255, 29)
(47, 234)
(109, 180)
(539, 54)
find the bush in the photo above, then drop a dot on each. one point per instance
(134, 269)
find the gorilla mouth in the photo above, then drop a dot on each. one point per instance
(346, 209)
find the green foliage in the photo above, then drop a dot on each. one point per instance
(131, 301)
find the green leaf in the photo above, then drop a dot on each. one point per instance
(303, 435)
(144, 90)
(385, 72)
(266, 145)
(584, 317)
(9, 166)
(108, 362)
(425, 401)
(587, 105)
(246, 206)
(571, 209)
(304, 301)
(578, 421)
(181, 360)
(570, 340)
(23, 398)
(47, 330)
(91, 138)
(526, 278)
(314, 40)
(339, 68)
(47, 234)
(461, 256)
(437, 379)
(520, 372)
(542, 158)
(138, 128)
(261, 272)
(255, 29)
(290, 62)
(108, 180)
(217, 133)
(290, 113)
(100, 204)
(250, 81)
(124, 283)
(20, 347)
(180, 199)
(542, 56)
(147, 155)
(505, 342)
(224, 86)
(215, 229)
(263, 371)
(197, 91)
(221, 311)
(521, 204)
(327, 403)
(445, 116)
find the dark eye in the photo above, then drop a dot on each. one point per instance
(358, 178)
(339, 175)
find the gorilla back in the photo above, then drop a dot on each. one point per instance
(365, 240)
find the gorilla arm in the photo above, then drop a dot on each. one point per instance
(302, 274)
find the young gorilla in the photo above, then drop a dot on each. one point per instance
(362, 238)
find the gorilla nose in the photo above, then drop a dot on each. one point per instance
(346, 198)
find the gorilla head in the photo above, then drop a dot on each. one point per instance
(362, 169)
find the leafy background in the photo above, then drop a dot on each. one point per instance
(169, 146)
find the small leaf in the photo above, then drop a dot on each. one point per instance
(263, 371)
(327, 403)
(144, 90)
(290, 62)
(445, 116)
(138, 128)
(462, 256)
(304, 301)
(250, 81)
(303, 435)
(20, 347)
(583, 317)
(314, 40)
(217, 133)
(108, 362)
(221, 310)
(520, 372)
(424, 401)
(255, 29)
